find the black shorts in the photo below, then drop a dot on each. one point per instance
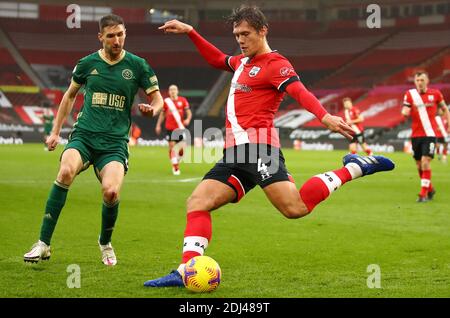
(176, 135)
(440, 140)
(245, 166)
(423, 146)
(358, 138)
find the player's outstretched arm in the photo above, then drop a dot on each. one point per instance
(155, 106)
(215, 57)
(159, 123)
(65, 107)
(304, 97)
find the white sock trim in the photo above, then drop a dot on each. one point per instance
(354, 169)
(425, 183)
(196, 244)
(331, 180)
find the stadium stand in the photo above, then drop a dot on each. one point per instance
(334, 58)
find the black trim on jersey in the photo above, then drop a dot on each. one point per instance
(289, 81)
(227, 62)
(406, 105)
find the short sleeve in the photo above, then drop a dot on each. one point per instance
(148, 80)
(407, 100)
(440, 97)
(80, 72)
(186, 103)
(281, 73)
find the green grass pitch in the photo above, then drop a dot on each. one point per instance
(373, 220)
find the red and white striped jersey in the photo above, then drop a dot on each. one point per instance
(174, 110)
(256, 91)
(442, 126)
(352, 114)
(423, 111)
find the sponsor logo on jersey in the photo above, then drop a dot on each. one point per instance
(94, 72)
(254, 71)
(430, 98)
(179, 103)
(241, 87)
(285, 71)
(127, 74)
(112, 101)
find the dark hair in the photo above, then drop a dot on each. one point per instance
(252, 14)
(420, 72)
(110, 20)
(346, 99)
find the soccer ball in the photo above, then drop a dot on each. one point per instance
(201, 274)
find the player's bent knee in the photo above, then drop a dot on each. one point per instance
(66, 175)
(292, 211)
(195, 202)
(110, 195)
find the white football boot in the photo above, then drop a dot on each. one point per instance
(176, 172)
(39, 251)
(108, 255)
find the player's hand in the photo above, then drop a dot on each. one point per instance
(147, 109)
(52, 141)
(186, 123)
(337, 124)
(158, 130)
(175, 27)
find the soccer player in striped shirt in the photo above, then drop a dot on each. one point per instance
(422, 104)
(354, 118)
(252, 154)
(178, 115)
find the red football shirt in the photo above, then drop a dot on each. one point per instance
(423, 111)
(174, 110)
(352, 114)
(256, 91)
(442, 124)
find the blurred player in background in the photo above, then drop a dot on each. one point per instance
(354, 118)
(442, 136)
(112, 77)
(135, 133)
(178, 115)
(422, 103)
(47, 119)
(252, 154)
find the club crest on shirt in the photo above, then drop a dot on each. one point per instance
(285, 71)
(430, 98)
(127, 74)
(254, 71)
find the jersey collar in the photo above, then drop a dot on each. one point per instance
(104, 58)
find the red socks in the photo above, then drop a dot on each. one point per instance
(173, 159)
(425, 182)
(197, 234)
(319, 187)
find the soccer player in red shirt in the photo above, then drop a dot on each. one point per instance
(174, 111)
(442, 136)
(261, 77)
(422, 103)
(354, 118)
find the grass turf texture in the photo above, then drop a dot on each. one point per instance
(373, 220)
